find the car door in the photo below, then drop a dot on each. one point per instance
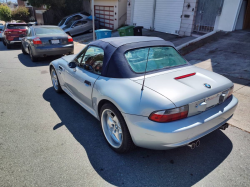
(80, 80)
(75, 28)
(86, 26)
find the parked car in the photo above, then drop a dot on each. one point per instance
(32, 23)
(14, 33)
(145, 93)
(72, 18)
(78, 27)
(42, 41)
(1, 31)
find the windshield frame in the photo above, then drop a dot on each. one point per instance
(64, 20)
(156, 70)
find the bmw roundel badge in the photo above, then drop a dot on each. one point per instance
(207, 85)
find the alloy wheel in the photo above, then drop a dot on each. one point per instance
(54, 79)
(112, 128)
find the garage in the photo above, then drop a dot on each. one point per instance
(143, 13)
(111, 14)
(160, 15)
(105, 15)
(168, 16)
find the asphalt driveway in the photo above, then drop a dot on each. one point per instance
(47, 139)
(229, 56)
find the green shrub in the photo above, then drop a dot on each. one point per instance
(20, 13)
(5, 13)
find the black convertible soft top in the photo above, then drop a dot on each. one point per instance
(115, 64)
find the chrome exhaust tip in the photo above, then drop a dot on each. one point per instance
(223, 127)
(192, 145)
(198, 143)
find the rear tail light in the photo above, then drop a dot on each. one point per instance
(226, 94)
(70, 39)
(230, 91)
(6, 32)
(37, 41)
(169, 115)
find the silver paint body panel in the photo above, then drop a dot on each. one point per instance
(161, 92)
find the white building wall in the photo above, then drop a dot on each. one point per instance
(187, 23)
(229, 15)
(122, 12)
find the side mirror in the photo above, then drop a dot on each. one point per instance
(72, 65)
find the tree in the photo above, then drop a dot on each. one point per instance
(5, 13)
(20, 13)
(60, 8)
(55, 5)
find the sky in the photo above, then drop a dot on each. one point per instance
(14, 1)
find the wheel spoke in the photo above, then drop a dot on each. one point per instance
(112, 128)
(115, 120)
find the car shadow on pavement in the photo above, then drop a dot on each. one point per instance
(26, 61)
(13, 47)
(140, 167)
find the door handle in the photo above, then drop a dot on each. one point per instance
(60, 67)
(87, 82)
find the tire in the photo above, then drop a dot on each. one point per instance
(33, 59)
(8, 46)
(4, 42)
(23, 50)
(55, 81)
(112, 123)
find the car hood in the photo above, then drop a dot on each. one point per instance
(186, 90)
(69, 58)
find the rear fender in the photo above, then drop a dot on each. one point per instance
(128, 97)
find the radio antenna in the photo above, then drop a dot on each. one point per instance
(142, 88)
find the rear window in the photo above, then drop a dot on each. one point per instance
(1, 28)
(153, 58)
(17, 26)
(48, 31)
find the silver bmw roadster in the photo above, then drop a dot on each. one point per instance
(145, 93)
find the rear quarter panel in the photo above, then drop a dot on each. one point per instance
(128, 97)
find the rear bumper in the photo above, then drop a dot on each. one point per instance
(161, 136)
(51, 50)
(15, 40)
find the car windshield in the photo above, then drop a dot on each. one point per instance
(62, 22)
(17, 26)
(154, 58)
(73, 19)
(48, 31)
(68, 26)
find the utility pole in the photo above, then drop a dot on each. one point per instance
(93, 18)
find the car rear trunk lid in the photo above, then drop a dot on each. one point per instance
(186, 90)
(54, 40)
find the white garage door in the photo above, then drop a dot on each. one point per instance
(143, 13)
(168, 15)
